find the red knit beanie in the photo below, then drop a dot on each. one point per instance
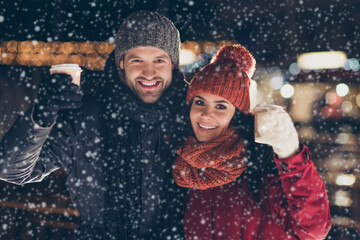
(227, 75)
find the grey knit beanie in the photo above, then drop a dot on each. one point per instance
(144, 29)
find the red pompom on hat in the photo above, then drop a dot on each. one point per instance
(227, 75)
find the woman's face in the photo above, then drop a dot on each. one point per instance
(210, 116)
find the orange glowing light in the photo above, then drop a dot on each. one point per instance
(87, 47)
(11, 46)
(102, 48)
(77, 59)
(66, 47)
(23, 58)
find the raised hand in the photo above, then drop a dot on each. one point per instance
(55, 94)
(274, 127)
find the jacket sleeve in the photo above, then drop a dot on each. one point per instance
(305, 205)
(28, 152)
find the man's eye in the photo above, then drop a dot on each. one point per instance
(136, 60)
(199, 102)
(160, 60)
(220, 106)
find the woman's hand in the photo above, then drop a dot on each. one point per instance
(274, 127)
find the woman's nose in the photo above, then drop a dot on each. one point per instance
(206, 113)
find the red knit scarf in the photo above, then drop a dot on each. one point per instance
(210, 164)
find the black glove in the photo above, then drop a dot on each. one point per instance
(55, 94)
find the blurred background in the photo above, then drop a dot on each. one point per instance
(307, 56)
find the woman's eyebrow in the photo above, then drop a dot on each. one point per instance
(200, 97)
(221, 101)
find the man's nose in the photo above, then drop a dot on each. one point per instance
(148, 71)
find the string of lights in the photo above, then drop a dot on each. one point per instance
(90, 55)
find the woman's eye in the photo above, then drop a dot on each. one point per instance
(136, 60)
(220, 106)
(199, 102)
(159, 60)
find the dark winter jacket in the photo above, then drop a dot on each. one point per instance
(291, 203)
(118, 154)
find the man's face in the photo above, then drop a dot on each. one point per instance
(148, 72)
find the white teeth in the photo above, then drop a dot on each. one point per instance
(148, 83)
(206, 127)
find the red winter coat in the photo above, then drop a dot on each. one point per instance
(294, 206)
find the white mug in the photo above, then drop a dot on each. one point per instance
(71, 69)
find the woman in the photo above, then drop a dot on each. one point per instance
(239, 189)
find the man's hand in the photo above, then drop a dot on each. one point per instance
(274, 127)
(55, 94)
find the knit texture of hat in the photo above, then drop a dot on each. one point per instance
(227, 75)
(147, 29)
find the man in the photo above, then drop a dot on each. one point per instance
(117, 143)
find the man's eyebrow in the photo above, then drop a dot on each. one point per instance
(162, 56)
(132, 56)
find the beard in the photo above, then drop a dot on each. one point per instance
(148, 94)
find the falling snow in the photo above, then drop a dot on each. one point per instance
(324, 105)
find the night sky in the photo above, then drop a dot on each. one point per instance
(274, 31)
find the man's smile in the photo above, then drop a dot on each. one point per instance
(149, 85)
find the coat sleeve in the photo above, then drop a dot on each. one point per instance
(305, 205)
(28, 152)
